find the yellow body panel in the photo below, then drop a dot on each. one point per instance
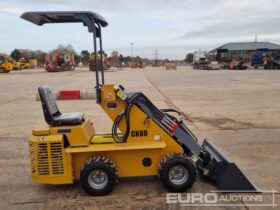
(50, 164)
(6, 63)
(129, 162)
(27, 63)
(6, 67)
(102, 139)
(78, 135)
(33, 62)
(117, 146)
(41, 132)
(128, 157)
(170, 65)
(16, 65)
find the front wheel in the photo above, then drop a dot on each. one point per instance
(98, 176)
(177, 172)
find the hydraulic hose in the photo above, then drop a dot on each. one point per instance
(167, 121)
(121, 138)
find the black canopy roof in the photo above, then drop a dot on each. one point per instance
(86, 17)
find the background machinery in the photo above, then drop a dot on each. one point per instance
(262, 58)
(6, 63)
(201, 61)
(102, 60)
(27, 63)
(137, 64)
(170, 65)
(56, 62)
(16, 65)
(144, 141)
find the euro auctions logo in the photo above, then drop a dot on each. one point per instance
(223, 198)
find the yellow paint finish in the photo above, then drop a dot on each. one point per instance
(50, 164)
(128, 156)
(41, 132)
(118, 147)
(108, 93)
(6, 63)
(102, 139)
(80, 134)
(128, 162)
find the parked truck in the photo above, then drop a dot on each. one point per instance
(200, 61)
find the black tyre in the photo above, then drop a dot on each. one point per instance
(177, 172)
(98, 176)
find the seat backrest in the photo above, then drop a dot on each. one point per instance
(48, 103)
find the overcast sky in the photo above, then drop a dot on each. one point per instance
(174, 27)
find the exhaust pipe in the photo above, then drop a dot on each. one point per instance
(225, 172)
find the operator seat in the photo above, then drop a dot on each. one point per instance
(52, 115)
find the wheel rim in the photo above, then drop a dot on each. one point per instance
(178, 174)
(98, 179)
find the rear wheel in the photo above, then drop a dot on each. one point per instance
(98, 176)
(177, 172)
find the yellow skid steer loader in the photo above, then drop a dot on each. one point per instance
(151, 141)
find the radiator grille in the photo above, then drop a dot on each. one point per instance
(32, 157)
(42, 159)
(47, 158)
(57, 158)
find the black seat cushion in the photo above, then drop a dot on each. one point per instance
(51, 112)
(73, 118)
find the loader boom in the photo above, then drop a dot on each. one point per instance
(208, 158)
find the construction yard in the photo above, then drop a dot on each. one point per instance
(238, 110)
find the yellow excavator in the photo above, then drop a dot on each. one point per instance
(6, 63)
(144, 140)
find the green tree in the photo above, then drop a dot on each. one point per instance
(15, 54)
(40, 56)
(114, 57)
(64, 49)
(121, 58)
(189, 58)
(128, 59)
(25, 53)
(70, 49)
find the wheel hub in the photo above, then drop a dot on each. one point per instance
(178, 174)
(98, 179)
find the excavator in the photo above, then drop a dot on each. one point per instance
(144, 140)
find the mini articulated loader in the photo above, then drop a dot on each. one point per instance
(151, 141)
